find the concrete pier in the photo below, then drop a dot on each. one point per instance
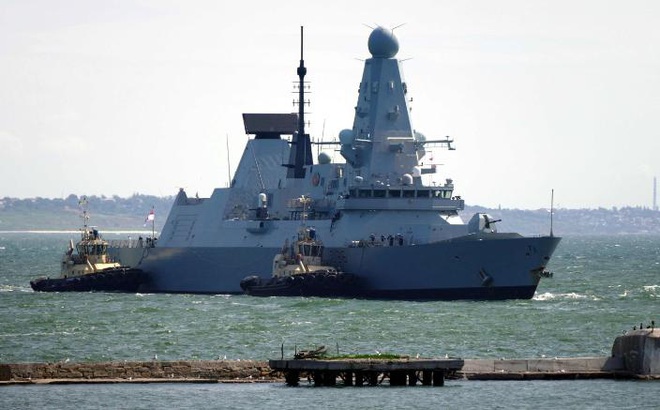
(635, 355)
(557, 368)
(358, 372)
(211, 371)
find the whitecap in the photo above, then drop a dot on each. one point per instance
(13, 288)
(573, 295)
(544, 296)
(559, 296)
(32, 334)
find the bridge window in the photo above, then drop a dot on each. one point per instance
(408, 194)
(423, 193)
(395, 193)
(442, 193)
(379, 193)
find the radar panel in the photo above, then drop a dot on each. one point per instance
(270, 126)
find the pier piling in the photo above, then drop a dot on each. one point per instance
(357, 372)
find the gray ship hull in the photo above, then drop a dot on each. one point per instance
(508, 266)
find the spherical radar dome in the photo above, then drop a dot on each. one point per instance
(383, 43)
(324, 158)
(346, 137)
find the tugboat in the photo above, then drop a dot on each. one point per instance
(298, 270)
(87, 267)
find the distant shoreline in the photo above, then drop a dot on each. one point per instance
(108, 233)
(47, 231)
(126, 216)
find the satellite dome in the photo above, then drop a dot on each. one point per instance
(324, 158)
(346, 137)
(383, 43)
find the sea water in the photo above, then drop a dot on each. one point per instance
(602, 287)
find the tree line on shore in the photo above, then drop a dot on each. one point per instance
(117, 213)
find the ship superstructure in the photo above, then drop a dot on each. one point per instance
(375, 215)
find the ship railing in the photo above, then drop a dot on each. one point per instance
(131, 243)
(383, 241)
(408, 204)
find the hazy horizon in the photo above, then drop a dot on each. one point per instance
(123, 97)
(467, 203)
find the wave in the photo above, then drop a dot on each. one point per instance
(559, 296)
(652, 290)
(646, 291)
(14, 288)
(62, 333)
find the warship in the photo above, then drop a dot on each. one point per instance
(378, 217)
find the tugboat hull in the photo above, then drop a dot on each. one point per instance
(111, 280)
(320, 284)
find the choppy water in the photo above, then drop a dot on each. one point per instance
(602, 286)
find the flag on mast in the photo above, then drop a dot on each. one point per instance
(151, 217)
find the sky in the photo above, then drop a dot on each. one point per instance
(118, 97)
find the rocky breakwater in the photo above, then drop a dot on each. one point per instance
(234, 371)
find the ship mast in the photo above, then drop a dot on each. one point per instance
(302, 70)
(301, 150)
(552, 209)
